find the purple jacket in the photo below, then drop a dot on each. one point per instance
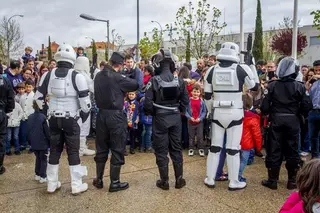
(195, 75)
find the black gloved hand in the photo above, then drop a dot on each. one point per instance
(84, 116)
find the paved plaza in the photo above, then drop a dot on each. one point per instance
(20, 193)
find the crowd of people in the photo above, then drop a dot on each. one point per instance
(263, 123)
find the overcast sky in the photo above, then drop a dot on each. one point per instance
(60, 18)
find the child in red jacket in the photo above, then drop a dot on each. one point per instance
(307, 200)
(251, 134)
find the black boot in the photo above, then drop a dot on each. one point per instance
(98, 181)
(163, 183)
(2, 169)
(292, 174)
(178, 171)
(273, 176)
(115, 184)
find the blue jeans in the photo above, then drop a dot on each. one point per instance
(15, 132)
(23, 134)
(223, 155)
(314, 129)
(146, 136)
(244, 157)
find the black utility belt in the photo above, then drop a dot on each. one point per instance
(284, 114)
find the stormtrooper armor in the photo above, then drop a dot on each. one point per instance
(68, 101)
(225, 82)
(83, 67)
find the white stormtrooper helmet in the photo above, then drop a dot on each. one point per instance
(229, 52)
(82, 64)
(65, 53)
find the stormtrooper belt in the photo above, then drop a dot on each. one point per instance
(61, 114)
(165, 109)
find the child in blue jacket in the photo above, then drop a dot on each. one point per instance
(39, 137)
(195, 114)
(146, 121)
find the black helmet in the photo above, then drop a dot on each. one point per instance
(162, 57)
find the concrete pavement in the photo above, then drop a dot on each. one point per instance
(20, 193)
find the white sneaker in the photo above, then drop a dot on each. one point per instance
(191, 152)
(201, 152)
(37, 178)
(43, 180)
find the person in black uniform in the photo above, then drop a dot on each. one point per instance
(285, 101)
(110, 88)
(166, 97)
(6, 106)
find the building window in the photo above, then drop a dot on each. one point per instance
(218, 46)
(174, 50)
(314, 40)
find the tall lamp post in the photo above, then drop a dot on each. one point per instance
(8, 39)
(295, 30)
(241, 31)
(138, 30)
(91, 18)
(161, 31)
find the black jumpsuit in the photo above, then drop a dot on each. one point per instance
(110, 88)
(285, 101)
(166, 126)
(6, 106)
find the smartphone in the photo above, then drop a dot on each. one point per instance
(271, 75)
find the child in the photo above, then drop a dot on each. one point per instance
(14, 119)
(195, 114)
(132, 108)
(27, 55)
(307, 200)
(38, 135)
(146, 121)
(26, 101)
(148, 73)
(21, 87)
(251, 134)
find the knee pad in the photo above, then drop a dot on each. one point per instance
(232, 152)
(215, 149)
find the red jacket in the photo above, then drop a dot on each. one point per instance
(251, 134)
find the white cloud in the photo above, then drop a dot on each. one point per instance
(60, 18)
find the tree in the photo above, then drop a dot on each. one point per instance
(188, 51)
(117, 40)
(94, 49)
(282, 40)
(149, 46)
(316, 19)
(257, 49)
(203, 25)
(49, 50)
(268, 53)
(106, 54)
(11, 38)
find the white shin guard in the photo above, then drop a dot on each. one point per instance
(77, 172)
(233, 162)
(212, 166)
(52, 178)
(84, 151)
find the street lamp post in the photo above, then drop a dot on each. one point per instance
(91, 18)
(138, 30)
(241, 31)
(295, 30)
(8, 39)
(161, 31)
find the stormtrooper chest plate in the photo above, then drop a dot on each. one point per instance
(225, 79)
(61, 86)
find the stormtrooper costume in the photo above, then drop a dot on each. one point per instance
(83, 67)
(225, 82)
(69, 106)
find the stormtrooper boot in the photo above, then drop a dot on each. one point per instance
(212, 166)
(98, 181)
(76, 173)
(52, 178)
(163, 183)
(84, 151)
(178, 171)
(233, 162)
(115, 184)
(2, 169)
